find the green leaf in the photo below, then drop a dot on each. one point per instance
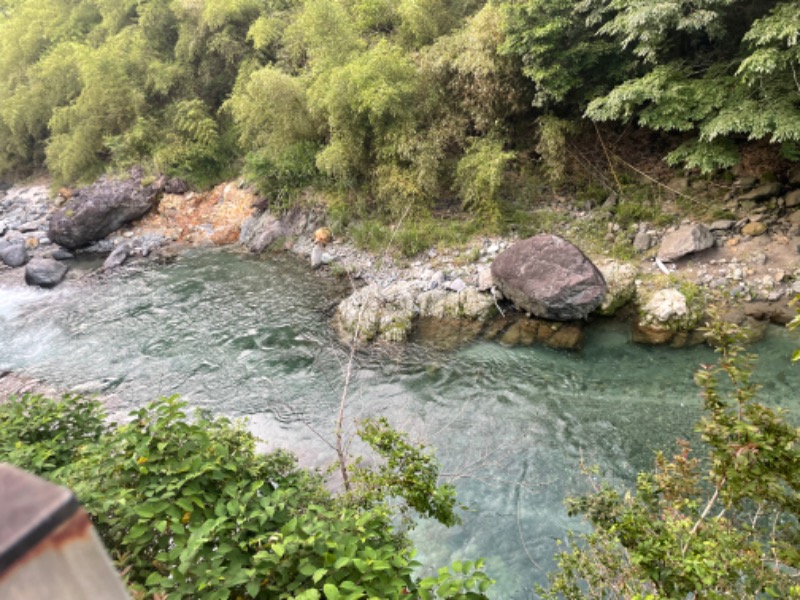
(319, 574)
(138, 531)
(331, 591)
(253, 588)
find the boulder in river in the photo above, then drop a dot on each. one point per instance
(95, 211)
(14, 255)
(683, 241)
(550, 278)
(45, 272)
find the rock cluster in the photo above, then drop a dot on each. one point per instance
(389, 313)
(454, 290)
(23, 236)
(26, 214)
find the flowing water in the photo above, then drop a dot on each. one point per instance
(249, 336)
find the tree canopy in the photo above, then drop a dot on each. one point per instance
(391, 99)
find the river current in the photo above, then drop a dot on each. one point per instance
(250, 337)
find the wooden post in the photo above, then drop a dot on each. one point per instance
(48, 547)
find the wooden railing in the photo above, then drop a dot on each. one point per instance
(48, 547)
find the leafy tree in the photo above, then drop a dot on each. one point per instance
(720, 71)
(364, 101)
(560, 53)
(722, 524)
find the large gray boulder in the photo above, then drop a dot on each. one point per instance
(95, 211)
(550, 278)
(45, 272)
(683, 241)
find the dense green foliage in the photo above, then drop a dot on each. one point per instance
(724, 523)
(189, 509)
(403, 103)
(722, 71)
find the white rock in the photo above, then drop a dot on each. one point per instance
(316, 256)
(457, 285)
(666, 305)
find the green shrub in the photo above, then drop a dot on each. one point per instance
(43, 435)
(188, 508)
(279, 174)
(719, 523)
(480, 177)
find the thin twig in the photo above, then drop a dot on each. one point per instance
(706, 510)
(608, 158)
(653, 179)
(341, 446)
(519, 530)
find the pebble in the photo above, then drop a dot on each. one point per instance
(457, 285)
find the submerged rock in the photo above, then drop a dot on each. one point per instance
(118, 256)
(95, 211)
(45, 272)
(524, 331)
(550, 278)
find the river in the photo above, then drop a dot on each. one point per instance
(249, 336)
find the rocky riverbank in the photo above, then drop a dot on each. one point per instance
(748, 266)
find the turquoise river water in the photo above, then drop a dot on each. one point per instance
(250, 336)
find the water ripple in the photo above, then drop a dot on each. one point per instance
(250, 336)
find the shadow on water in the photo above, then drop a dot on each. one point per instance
(249, 336)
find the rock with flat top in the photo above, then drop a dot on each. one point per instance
(686, 240)
(763, 192)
